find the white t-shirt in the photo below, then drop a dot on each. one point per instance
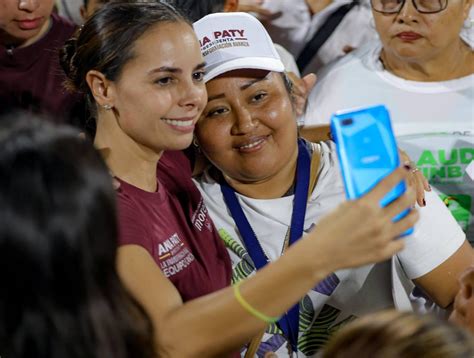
(295, 27)
(433, 121)
(346, 294)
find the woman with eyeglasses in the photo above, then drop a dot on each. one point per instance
(423, 71)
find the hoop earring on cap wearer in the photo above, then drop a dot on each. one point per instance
(107, 107)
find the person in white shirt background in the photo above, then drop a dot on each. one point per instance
(423, 71)
(294, 23)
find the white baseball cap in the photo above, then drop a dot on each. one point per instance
(235, 40)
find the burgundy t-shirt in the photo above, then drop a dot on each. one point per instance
(173, 225)
(32, 79)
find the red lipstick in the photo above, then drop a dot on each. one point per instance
(409, 36)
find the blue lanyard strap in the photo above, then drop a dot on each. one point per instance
(290, 320)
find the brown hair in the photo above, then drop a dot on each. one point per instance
(393, 334)
(105, 41)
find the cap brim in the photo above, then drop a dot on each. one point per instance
(258, 63)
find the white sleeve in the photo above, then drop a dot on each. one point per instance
(436, 238)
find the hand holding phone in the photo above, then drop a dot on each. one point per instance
(367, 152)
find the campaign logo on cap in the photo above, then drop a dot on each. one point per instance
(231, 41)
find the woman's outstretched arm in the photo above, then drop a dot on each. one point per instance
(217, 324)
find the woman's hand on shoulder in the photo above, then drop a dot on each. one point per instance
(300, 90)
(360, 232)
(416, 180)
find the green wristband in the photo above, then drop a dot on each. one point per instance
(253, 311)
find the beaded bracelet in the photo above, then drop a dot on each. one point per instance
(253, 311)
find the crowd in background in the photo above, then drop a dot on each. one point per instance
(161, 160)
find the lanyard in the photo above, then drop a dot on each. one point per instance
(289, 322)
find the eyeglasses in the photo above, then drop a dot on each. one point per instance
(422, 6)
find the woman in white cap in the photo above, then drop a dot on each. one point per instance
(141, 68)
(267, 187)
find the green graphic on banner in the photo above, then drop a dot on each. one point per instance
(460, 207)
(443, 166)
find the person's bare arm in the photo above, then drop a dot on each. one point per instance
(442, 283)
(216, 324)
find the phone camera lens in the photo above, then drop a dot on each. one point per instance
(347, 122)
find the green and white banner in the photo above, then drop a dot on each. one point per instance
(443, 158)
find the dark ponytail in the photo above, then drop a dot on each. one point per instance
(67, 56)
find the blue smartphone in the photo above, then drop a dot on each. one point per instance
(367, 152)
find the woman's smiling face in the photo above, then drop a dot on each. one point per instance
(160, 92)
(248, 128)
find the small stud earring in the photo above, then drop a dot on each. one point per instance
(107, 107)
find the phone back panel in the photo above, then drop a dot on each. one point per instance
(367, 150)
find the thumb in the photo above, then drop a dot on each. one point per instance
(309, 81)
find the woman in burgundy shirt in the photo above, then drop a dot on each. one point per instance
(30, 76)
